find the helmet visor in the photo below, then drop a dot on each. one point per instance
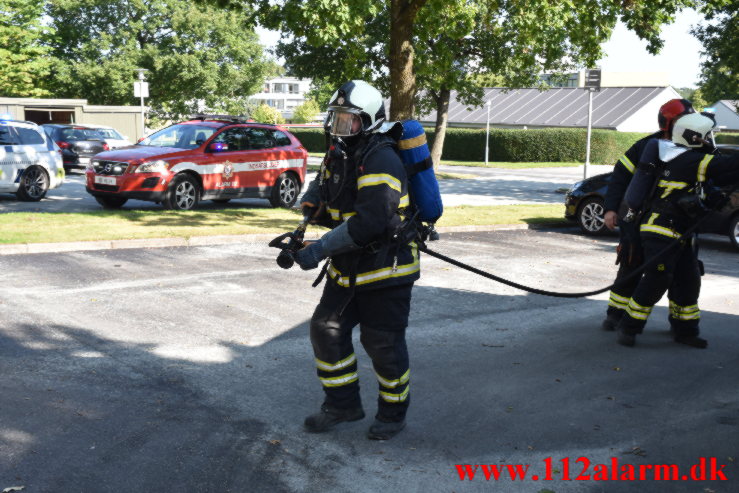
(344, 122)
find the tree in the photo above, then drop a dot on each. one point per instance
(720, 38)
(199, 58)
(306, 112)
(454, 43)
(24, 64)
(267, 114)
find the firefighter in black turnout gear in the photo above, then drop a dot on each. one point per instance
(361, 192)
(679, 199)
(630, 254)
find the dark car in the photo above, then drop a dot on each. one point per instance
(77, 142)
(584, 204)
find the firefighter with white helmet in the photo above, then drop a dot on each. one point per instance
(361, 192)
(679, 199)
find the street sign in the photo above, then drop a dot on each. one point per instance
(592, 79)
(141, 89)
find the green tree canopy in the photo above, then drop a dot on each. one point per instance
(720, 38)
(23, 61)
(198, 57)
(451, 43)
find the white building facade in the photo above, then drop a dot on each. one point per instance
(284, 94)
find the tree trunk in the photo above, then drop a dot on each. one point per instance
(402, 77)
(442, 114)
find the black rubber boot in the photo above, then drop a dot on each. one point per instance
(693, 341)
(610, 323)
(626, 339)
(330, 417)
(381, 430)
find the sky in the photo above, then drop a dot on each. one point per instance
(625, 52)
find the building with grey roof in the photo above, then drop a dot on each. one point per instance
(727, 119)
(626, 109)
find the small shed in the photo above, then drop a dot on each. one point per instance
(125, 119)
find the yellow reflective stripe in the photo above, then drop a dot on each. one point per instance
(691, 312)
(618, 297)
(346, 215)
(627, 163)
(703, 167)
(378, 179)
(637, 311)
(411, 143)
(390, 397)
(405, 201)
(617, 301)
(671, 186)
(391, 384)
(379, 274)
(335, 214)
(651, 228)
(339, 381)
(338, 365)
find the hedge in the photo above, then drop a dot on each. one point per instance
(533, 145)
(727, 138)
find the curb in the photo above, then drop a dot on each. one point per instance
(194, 241)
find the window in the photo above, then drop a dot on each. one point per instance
(29, 136)
(79, 133)
(8, 136)
(233, 139)
(260, 138)
(180, 136)
(281, 139)
(110, 133)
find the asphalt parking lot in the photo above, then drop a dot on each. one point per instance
(190, 369)
(491, 186)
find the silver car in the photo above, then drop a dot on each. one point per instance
(30, 162)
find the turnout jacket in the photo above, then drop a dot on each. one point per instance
(685, 172)
(623, 171)
(369, 191)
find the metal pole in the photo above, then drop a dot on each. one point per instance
(590, 122)
(487, 134)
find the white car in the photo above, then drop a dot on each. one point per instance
(113, 137)
(30, 162)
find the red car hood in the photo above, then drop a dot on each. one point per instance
(142, 153)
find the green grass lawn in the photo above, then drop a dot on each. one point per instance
(27, 227)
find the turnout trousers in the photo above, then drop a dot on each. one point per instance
(676, 270)
(382, 316)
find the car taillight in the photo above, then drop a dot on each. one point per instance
(63, 145)
(106, 147)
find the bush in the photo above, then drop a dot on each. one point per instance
(534, 145)
(311, 138)
(727, 138)
(267, 114)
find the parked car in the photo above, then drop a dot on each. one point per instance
(215, 158)
(77, 142)
(112, 137)
(584, 204)
(30, 162)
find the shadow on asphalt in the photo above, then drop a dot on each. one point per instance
(85, 413)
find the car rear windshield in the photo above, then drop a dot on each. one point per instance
(110, 133)
(72, 134)
(180, 137)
